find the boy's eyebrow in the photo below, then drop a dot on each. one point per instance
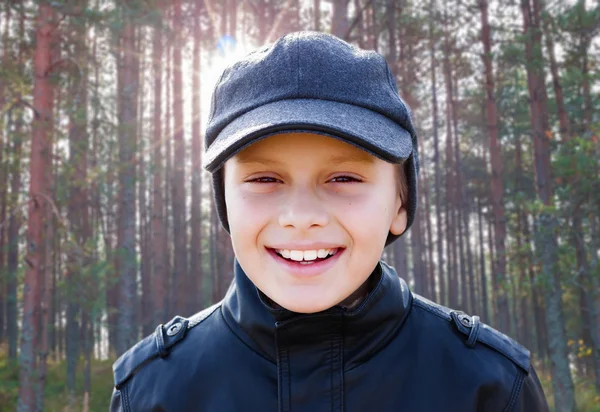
(353, 158)
(254, 159)
(335, 159)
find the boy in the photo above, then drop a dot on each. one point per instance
(314, 161)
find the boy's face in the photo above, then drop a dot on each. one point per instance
(324, 204)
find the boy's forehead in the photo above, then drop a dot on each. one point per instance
(275, 149)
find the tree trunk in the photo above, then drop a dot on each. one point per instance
(400, 247)
(523, 328)
(391, 28)
(178, 199)
(565, 127)
(470, 288)
(14, 223)
(168, 121)
(196, 272)
(499, 220)
(53, 319)
(373, 29)
(546, 242)
(436, 159)
(95, 316)
(449, 173)
(317, 14)
(584, 45)
(484, 290)
(586, 299)
(126, 330)
(361, 13)
(215, 255)
(431, 264)
(596, 286)
(261, 17)
(536, 298)
(87, 338)
(78, 204)
(223, 18)
(232, 14)
(3, 179)
(490, 242)
(339, 19)
(416, 239)
(460, 204)
(112, 207)
(40, 164)
(14, 226)
(146, 301)
(47, 280)
(159, 244)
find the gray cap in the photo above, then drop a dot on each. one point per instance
(310, 82)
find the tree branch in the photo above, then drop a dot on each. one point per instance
(357, 19)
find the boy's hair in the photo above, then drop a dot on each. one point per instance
(312, 82)
(402, 183)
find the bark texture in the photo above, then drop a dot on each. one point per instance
(546, 242)
(127, 266)
(39, 204)
(499, 266)
(180, 237)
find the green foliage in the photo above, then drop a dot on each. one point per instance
(576, 170)
(55, 394)
(9, 382)
(586, 396)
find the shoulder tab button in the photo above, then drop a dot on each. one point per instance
(174, 329)
(468, 325)
(464, 319)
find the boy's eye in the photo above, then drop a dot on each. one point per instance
(344, 179)
(263, 179)
(337, 179)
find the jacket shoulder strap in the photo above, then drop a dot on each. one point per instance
(158, 344)
(477, 331)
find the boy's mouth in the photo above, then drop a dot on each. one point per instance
(306, 257)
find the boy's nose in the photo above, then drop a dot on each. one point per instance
(303, 209)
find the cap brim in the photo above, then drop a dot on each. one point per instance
(359, 126)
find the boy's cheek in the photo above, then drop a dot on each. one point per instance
(247, 222)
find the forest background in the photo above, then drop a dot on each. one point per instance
(107, 226)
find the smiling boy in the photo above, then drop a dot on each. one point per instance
(320, 210)
(314, 161)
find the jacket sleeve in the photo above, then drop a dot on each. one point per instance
(532, 398)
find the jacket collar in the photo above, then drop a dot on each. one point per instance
(365, 329)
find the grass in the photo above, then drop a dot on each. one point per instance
(55, 393)
(586, 396)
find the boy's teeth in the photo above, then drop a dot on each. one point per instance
(310, 254)
(296, 255)
(305, 255)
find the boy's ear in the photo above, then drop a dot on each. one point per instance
(399, 221)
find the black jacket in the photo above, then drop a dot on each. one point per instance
(395, 352)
